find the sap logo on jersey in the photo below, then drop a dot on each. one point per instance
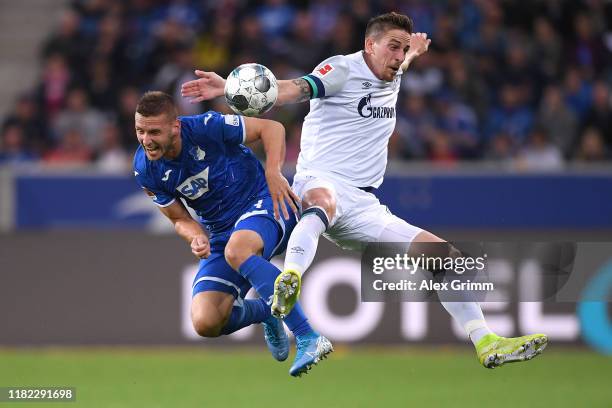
(195, 186)
(366, 110)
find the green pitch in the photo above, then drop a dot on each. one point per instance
(416, 377)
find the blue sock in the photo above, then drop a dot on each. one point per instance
(261, 274)
(252, 311)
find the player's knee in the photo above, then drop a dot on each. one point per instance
(207, 324)
(436, 250)
(321, 198)
(236, 255)
(443, 249)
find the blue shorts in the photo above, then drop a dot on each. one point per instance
(215, 274)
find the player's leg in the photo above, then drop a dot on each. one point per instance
(492, 350)
(466, 312)
(210, 312)
(318, 211)
(217, 305)
(255, 240)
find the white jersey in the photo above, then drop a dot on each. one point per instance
(352, 116)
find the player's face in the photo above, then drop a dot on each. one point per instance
(387, 52)
(158, 136)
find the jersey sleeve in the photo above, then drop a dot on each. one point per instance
(328, 77)
(159, 197)
(228, 129)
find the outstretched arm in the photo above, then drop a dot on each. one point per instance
(419, 44)
(293, 91)
(272, 135)
(210, 85)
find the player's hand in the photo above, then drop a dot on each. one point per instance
(281, 193)
(208, 86)
(200, 246)
(419, 44)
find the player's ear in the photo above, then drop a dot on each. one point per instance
(369, 45)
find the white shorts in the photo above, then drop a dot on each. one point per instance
(360, 217)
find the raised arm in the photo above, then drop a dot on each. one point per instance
(293, 91)
(272, 136)
(210, 85)
(419, 44)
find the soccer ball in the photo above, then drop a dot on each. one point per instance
(251, 90)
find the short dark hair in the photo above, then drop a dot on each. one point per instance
(154, 103)
(385, 22)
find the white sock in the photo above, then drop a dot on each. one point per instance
(302, 245)
(470, 317)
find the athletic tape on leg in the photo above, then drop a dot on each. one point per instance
(474, 325)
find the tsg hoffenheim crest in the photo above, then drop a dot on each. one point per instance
(198, 153)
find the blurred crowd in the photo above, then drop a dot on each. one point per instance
(524, 84)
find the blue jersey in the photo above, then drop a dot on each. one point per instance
(216, 175)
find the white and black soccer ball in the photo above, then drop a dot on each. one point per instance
(251, 90)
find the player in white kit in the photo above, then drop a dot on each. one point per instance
(343, 159)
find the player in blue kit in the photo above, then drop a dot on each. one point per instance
(201, 160)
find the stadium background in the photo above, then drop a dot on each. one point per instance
(503, 134)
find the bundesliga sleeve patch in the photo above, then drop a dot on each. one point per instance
(329, 77)
(232, 120)
(326, 69)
